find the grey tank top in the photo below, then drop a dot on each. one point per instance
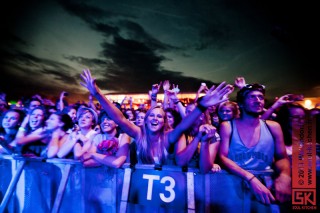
(258, 157)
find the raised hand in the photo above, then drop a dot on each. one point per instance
(216, 95)
(166, 85)
(156, 88)
(89, 82)
(239, 82)
(203, 88)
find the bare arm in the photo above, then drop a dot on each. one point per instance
(61, 104)
(214, 96)
(114, 113)
(203, 88)
(259, 190)
(277, 104)
(68, 145)
(153, 93)
(282, 165)
(55, 143)
(32, 137)
(208, 151)
(166, 87)
(174, 100)
(112, 161)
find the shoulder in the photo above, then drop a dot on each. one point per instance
(272, 124)
(225, 125)
(274, 127)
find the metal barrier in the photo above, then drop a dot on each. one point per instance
(62, 185)
(57, 185)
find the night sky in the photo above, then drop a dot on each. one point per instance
(130, 45)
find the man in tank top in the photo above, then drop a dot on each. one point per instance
(249, 145)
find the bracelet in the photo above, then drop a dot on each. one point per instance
(154, 97)
(176, 102)
(199, 106)
(251, 179)
(22, 129)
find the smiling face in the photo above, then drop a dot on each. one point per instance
(36, 118)
(155, 120)
(10, 120)
(107, 125)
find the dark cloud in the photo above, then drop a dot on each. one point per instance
(93, 63)
(24, 75)
(133, 63)
(137, 32)
(132, 54)
(136, 67)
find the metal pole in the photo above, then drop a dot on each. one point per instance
(12, 186)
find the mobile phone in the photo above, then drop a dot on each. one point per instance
(295, 97)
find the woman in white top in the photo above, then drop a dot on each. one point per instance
(109, 147)
(80, 140)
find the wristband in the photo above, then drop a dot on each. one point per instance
(176, 102)
(199, 106)
(154, 97)
(22, 129)
(251, 179)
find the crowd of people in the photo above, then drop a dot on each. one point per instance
(210, 133)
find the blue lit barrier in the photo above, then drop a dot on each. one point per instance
(57, 185)
(62, 185)
(168, 190)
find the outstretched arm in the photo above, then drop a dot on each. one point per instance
(215, 95)
(153, 93)
(203, 88)
(115, 114)
(277, 104)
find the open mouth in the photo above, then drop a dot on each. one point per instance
(154, 123)
(105, 125)
(34, 122)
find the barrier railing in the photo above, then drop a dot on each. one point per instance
(62, 185)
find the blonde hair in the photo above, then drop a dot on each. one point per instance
(234, 107)
(144, 150)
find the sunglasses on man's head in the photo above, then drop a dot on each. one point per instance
(255, 86)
